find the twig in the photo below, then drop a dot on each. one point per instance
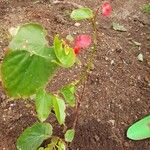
(78, 108)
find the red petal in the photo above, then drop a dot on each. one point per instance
(83, 41)
(106, 9)
(76, 50)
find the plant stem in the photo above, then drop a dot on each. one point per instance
(78, 106)
(84, 75)
(90, 61)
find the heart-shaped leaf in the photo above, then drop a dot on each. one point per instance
(68, 92)
(43, 104)
(34, 136)
(23, 73)
(69, 135)
(59, 108)
(29, 63)
(82, 13)
(140, 130)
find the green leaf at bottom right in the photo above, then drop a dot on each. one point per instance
(140, 130)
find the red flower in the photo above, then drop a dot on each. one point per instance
(82, 41)
(106, 9)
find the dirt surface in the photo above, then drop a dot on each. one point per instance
(118, 89)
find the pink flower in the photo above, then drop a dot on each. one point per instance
(82, 41)
(106, 9)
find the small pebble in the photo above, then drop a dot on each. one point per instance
(106, 58)
(97, 22)
(126, 144)
(9, 108)
(86, 106)
(11, 105)
(139, 77)
(96, 137)
(98, 120)
(112, 122)
(77, 24)
(74, 33)
(140, 57)
(147, 79)
(112, 62)
(4, 118)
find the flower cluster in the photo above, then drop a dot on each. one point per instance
(84, 41)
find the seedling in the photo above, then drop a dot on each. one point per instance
(30, 62)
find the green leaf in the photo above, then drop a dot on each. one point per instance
(61, 145)
(56, 144)
(146, 8)
(59, 108)
(30, 37)
(118, 27)
(23, 74)
(82, 13)
(41, 148)
(140, 130)
(53, 144)
(69, 135)
(34, 136)
(29, 62)
(68, 92)
(43, 104)
(64, 53)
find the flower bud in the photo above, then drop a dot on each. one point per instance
(106, 9)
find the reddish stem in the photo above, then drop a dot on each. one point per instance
(84, 76)
(78, 106)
